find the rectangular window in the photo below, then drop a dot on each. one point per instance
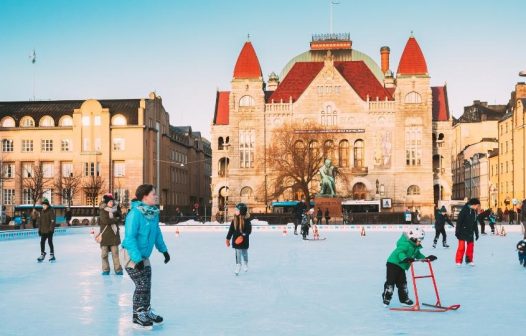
(67, 169)
(413, 146)
(91, 169)
(85, 145)
(9, 196)
(9, 170)
(48, 193)
(85, 121)
(27, 146)
(47, 169)
(65, 145)
(7, 145)
(46, 145)
(118, 144)
(247, 140)
(119, 169)
(26, 196)
(98, 144)
(27, 169)
(96, 121)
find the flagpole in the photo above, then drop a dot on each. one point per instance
(33, 58)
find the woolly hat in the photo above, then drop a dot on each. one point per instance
(45, 201)
(108, 197)
(443, 209)
(242, 207)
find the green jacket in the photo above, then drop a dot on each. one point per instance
(46, 221)
(405, 248)
(109, 237)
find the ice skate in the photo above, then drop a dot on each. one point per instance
(471, 263)
(105, 273)
(434, 244)
(459, 264)
(387, 295)
(141, 320)
(42, 257)
(407, 302)
(238, 268)
(52, 259)
(152, 315)
(118, 273)
(245, 267)
(445, 245)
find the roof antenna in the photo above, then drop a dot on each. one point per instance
(412, 34)
(248, 37)
(331, 3)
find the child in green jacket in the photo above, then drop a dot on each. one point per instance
(407, 250)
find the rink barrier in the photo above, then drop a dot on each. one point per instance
(333, 227)
(23, 234)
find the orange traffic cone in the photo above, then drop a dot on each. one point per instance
(362, 232)
(285, 230)
(92, 232)
(177, 232)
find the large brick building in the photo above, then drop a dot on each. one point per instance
(386, 127)
(127, 142)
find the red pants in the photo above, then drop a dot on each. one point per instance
(460, 251)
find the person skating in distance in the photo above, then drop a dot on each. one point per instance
(440, 223)
(46, 228)
(407, 251)
(307, 222)
(465, 230)
(239, 232)
(521, 248)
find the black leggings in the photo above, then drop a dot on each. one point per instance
(49, 237)
(439, 231)
(396, 276)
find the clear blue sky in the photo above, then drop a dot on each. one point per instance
(185, 50)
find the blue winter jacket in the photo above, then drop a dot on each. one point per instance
(141, 235)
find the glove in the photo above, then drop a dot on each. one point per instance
(408, 260)
(227, 243)
(139, 266)
(166, 257)
(431, 258)
(39, 233)
(476, 237)
(458, 236)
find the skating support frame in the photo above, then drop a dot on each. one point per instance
(437, 307)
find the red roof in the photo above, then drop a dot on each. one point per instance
(222, 109)
(247, 65)
(440, 103)
(356, 73)
(412, 61)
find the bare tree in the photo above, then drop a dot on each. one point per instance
(92, 189)
(68, 186)
(294, 157)
(34, 182)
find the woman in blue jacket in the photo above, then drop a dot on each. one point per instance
(142, 232)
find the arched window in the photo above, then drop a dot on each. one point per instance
(220, 143)
(8, 122)
(413, 190)
(314, 149)
(328, 150)
(359, 191)
(46, 121)
(27, 121)
(223, 166)
(343, 153)
(413, 98)
(329, 117)
(247, 101)
(118, 120)
(358, 153)
(441, 137)
(246, 194)
(66, 121)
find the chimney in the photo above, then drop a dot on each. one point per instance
(384, 51)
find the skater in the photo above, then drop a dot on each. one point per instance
(34, 218)
(300, 210)
(523, 218)
(407, 250)
(111, 239)
(46, 228)
(492, 220)
(239, 231)
(307, 222)
(68, 215)
(511, 216)
(319, 216)
(466, 228)
(442, 219)
(327, 216)
(521, 248)
(141, 234)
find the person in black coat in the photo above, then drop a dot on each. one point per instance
(327, 216)
(440, 223)
(466, 228)
(319, 216)
(300, 210)
(239, 232)
(523, 217)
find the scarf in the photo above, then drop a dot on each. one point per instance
(148, 211)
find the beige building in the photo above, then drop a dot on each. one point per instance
(494, 179)
(384, 125)
(127, 142)
(506, 178)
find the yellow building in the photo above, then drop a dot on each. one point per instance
(506, 178)
(127, 142)
(493, 159)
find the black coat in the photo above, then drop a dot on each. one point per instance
(441, 221)
(233, 234)
(467, 224)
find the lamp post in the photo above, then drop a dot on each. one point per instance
(227, 190)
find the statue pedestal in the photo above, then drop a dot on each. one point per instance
(334, 204)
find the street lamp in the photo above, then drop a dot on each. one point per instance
(227, 190)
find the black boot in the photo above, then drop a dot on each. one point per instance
(42, 256)
(141, 320)
(52, 259)
(403, 295)
(387, 294)
(445, 244)
(434, 243)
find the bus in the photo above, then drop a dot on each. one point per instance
(359, 206)
(22, 212)
(286, 207)
(84, 215)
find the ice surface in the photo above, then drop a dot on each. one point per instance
(293, 287)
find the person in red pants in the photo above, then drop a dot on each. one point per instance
(465, 229)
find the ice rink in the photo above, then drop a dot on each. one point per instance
(293, 287)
